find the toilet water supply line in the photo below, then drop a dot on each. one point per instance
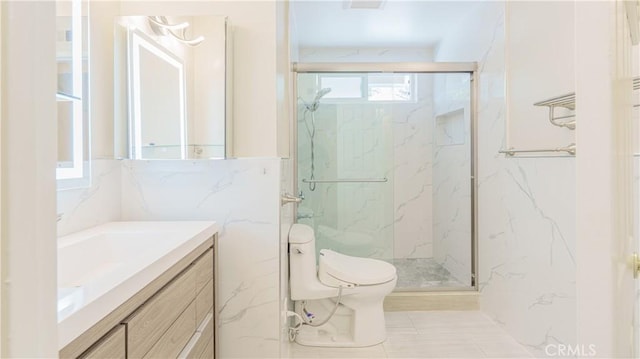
(308, 317)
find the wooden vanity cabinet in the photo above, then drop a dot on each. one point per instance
(167, 322)
(175, 321)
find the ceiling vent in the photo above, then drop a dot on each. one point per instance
(364, 4)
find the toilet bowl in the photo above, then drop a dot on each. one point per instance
(360, 284)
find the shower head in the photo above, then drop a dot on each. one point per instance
(321, 93)
(316, 101)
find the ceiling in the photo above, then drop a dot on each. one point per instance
(398, 23)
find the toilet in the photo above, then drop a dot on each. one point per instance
(361, 284)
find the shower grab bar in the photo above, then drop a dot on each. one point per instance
(571, 149)
(347, 180)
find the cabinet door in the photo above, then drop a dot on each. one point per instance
(204, 270)
(176, 337)
(204, 302)
(111, 346)
(208, 351)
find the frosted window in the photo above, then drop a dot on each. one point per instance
(343, 87)
(369, 87)
(390, 87)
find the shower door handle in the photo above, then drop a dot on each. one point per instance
(289, 198)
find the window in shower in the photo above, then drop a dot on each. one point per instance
(391, 87)
(343, 87)
(369, 87)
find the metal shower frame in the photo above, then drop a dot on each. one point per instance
(470, 68)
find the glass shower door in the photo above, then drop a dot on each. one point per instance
(384, 161)
(344, 159)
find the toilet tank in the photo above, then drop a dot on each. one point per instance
(303, 273)
(300, 234)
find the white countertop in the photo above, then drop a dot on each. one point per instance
(101, 267)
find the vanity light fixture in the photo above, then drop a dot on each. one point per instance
(160, 25)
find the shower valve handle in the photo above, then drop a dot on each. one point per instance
(288, 198)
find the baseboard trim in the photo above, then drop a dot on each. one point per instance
(408, 301)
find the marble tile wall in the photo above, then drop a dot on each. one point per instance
(243, 197)
(526, 209)
(413, 173)
(87, 207)
(364, 151)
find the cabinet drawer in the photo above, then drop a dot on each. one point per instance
(204, 302)
(152, 320)
(111, 346)
(176, 337)
(199, 340)
(206, 335)
(204, 270)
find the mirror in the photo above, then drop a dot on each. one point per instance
(72, 61)
(157, 100)
(172, 90)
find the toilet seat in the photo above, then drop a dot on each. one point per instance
(337, 269)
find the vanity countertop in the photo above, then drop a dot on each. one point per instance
(101, 267)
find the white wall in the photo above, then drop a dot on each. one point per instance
(2, 259)
(540, 41)
(526, 209)
(605, 286)
(28, 180)
(283, 78)
(342, 54)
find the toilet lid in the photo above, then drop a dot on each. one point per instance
(356, 270)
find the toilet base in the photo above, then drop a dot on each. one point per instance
(349, 327)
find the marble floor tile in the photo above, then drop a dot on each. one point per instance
(432, 334)
(300, 351)
(423, 273)
(397, 320)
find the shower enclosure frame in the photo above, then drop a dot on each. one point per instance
(470, 68)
